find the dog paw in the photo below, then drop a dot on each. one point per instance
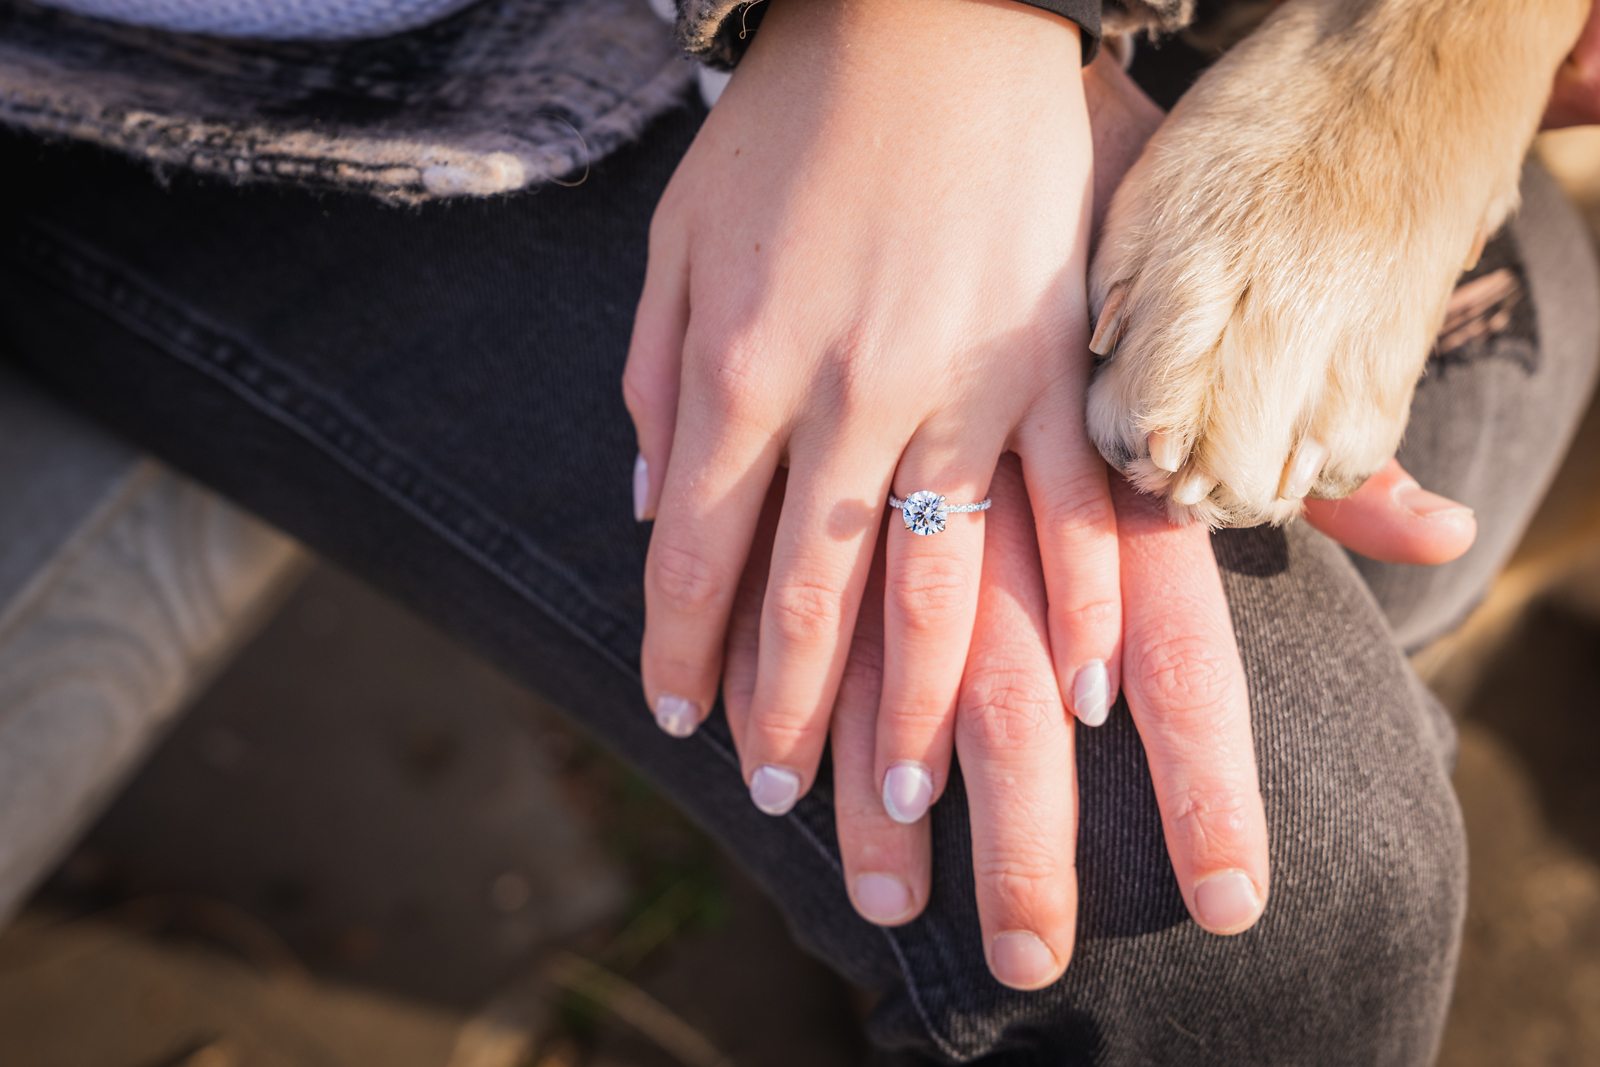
(1275, 268)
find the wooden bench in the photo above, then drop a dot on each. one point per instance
(123, 586)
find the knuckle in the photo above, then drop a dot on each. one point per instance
(1019, 879)
(1008, 711)
(785, 730)
(685, 579)
(927, 593)
(1207, 818)
(1094, 617)
(732, 377)
(1187, 679)
(804, 613)
(1080, 508)
(917, 719)
(636, 394)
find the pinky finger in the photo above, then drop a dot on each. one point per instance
(1077, 531)
(655, 359)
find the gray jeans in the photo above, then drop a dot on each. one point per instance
(430, 397)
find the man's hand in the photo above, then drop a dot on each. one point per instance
(1185, 688)
(1575, 97)
(1393, 519)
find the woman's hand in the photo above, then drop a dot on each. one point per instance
(869, 269)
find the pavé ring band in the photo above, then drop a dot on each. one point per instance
(924, 512)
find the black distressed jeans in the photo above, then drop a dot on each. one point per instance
(431, 398)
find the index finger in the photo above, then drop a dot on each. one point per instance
(1186, 688)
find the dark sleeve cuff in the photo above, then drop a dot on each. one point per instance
(1086, 13)
(716, 32)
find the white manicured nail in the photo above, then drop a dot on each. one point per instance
(641, 487)
(1166, 451)
(1304, 469)
(1193, 488)
(1091, 693)
(677, 716)
(774, 789)
(907, 791)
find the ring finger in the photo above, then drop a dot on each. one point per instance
(935, 559)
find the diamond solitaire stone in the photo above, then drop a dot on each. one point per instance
(924, 513)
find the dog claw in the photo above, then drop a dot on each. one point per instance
(1109, 329)
(1304, 470)
(1166, 451)
(1192, 488)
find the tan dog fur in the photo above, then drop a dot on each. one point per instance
(1275, 267)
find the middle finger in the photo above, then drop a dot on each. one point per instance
(1015, 739)
(820, 560)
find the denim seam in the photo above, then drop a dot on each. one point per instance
(61, 260)
(340, 433)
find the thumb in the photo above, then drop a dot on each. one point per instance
(1392, 519)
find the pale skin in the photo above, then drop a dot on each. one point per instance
(859, 273)
(769, 476)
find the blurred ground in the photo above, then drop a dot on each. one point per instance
(1524, 675)
(365, 847)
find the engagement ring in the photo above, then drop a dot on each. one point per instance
(924, 512)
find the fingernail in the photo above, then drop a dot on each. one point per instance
(774, 789)
(907, 791)
(641, 487)
(1226, 903)
(882, 898)
(1166, 451)
(1091, 693)
(1426, 505)
(1305, 469)
(1193, 488)
(676, 715)
(1021, 960)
